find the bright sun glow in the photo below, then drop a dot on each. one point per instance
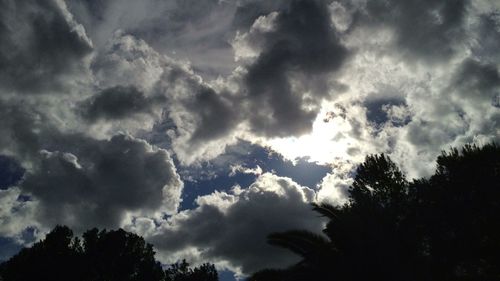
(327, 141)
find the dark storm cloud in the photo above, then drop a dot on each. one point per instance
(23, 127)
(87, 10)
(201, 113)
(247, 12)
(119, 102)
(41, 46)
(488, 37)
(80, 181)
(476, 80)
(431, 30)
(96, 182)
(301, 47)
(181, 13)
(233, 227)
(217, 116)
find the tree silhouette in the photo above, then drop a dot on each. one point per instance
(118, 255)
(114, 255)
(446, 227)
(460, 214)
(182, 272)
(51, 259)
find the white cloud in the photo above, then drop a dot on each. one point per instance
(230, 229)
(245, 170)
(16, 214)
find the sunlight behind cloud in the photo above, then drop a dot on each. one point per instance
(327, 141)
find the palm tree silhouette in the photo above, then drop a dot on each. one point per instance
(392, 229)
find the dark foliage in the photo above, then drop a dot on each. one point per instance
(446, 227)
(114, 255)
(182, 272)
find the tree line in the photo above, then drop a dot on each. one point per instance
(114, 255)
(445, 227)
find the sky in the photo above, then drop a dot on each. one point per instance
(205, 125)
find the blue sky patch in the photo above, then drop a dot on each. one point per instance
(10, 172)
(216, 174)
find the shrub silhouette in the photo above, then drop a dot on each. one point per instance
(446, 227)
(114, 255)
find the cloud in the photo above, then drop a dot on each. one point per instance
(74, 179)
(284, 85)
(231, 228)
(194, 30)
(16, 214)
(87, 90)
(136, 81)
(216, 115)
(248, 11)
(424, 30)
(378, 110)
(476, 80)
(127, 61)
(99, 183)
(119, 102)
(23, 127)
(241, 169)
(42, 46)
(487, 36)
(334, 187)
(205, 116)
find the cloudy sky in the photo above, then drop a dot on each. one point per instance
(205, 125)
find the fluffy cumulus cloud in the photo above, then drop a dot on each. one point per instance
(95, 181)
(102, 182)
(203, 118)
(127, 60)
(101, 100)
(230, 228)
(52, 97)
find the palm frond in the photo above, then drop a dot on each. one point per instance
(326, 210)
(301, 242)
(268, 275)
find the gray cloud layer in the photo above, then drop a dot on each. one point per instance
(117, 103)
(41, 46)
(424, 29)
